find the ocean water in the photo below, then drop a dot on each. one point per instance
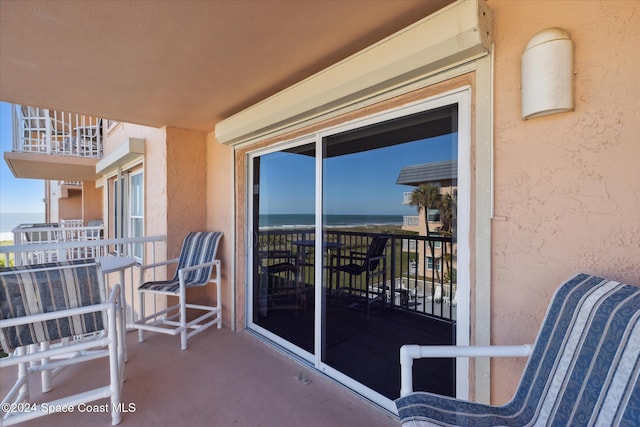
(302, 220)
(8, 221)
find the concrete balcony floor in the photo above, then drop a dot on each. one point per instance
(225, 378)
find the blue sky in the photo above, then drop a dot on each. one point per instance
(362, 183)
(16, 195)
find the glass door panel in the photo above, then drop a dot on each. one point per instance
(389, 211)
(283, 228)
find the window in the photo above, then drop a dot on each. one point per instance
(430, 265)
(136, 210)
(128, 207)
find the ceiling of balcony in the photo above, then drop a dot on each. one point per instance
(187, 64)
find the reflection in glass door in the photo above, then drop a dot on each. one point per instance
(283, 229)
(383, 194)
(388, 206)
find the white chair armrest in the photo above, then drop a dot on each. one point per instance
(215, 262)
(159, 264)
(410, 352)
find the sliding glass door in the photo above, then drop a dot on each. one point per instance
(392, 282)
(283, 220)
(359, 245)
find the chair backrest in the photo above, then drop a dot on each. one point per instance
(585, 364)
(376, 249)
(198, 248)
(45, 288)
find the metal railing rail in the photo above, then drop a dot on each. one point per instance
(417, 280)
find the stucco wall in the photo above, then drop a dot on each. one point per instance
(155, 177)
(186, 170)
(185, 194)
(219, 199)
(70, 207)
(91, 202)
(567, 186)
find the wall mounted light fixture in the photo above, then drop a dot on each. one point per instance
(547, 74)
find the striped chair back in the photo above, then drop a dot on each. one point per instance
(44, 288)
(198, 248)
(584, 368)
(585, 365)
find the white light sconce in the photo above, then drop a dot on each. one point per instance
(547, 74)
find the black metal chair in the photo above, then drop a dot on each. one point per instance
(372, 264)
(282, 290)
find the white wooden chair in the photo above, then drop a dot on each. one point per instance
(44, 309)
(195, 264)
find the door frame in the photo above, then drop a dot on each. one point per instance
(463, 98)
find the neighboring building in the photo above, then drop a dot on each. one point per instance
(443, 175)
(539, 198)
(62, 149)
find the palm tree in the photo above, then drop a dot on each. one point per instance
(426, 197)
(448, 222)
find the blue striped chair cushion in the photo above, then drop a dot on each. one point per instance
(198, 248)
(584, 368)
(44, 288)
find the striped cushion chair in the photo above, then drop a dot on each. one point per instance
(195, 264)
(583, 369)
(52, 316)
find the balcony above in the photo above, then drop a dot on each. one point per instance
(54, 145)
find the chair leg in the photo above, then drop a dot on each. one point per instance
(183, 318)
(45, 376)
(142, 316)
(116, 363)
(23, 375)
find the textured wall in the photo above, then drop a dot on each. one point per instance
(91, 202)
(220, 218)
(567, 186)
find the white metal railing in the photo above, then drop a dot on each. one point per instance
(44, 131)
(154, 251)
(71, 222)
(27, 254)
(70, 230)
(410, 220)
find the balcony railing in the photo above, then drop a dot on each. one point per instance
(420, 276)
(44, 131)
(410, 220)
(70, 230)
(153, 249)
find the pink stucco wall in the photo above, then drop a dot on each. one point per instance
(567, 186)
(220, 209)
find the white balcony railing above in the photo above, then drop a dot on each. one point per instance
(406, 197)
(44, 131)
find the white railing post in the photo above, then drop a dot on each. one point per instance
(49, 130)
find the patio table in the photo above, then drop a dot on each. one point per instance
(327, 245)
